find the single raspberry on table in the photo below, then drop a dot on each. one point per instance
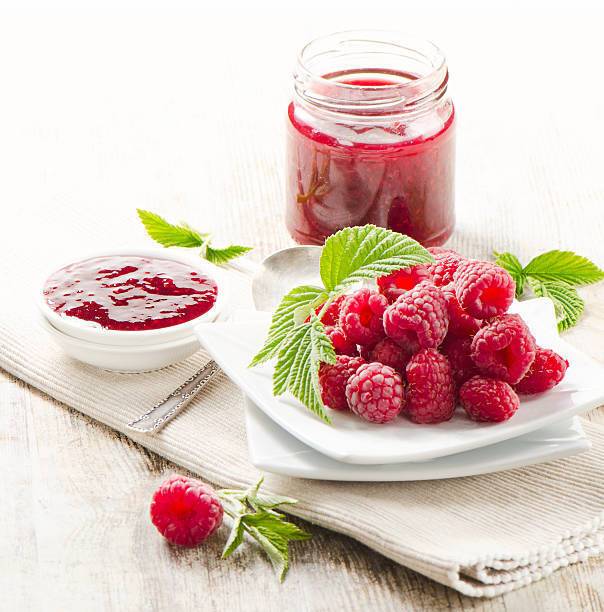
(460, 322)
(341, 344)
(399, 282)
(389, 353)
(333, 379)
(375, 393)
(418, 319)
(186, 511)
(504, 348)
(446, 262)
(483, 289)
(430, 388)
(546, 371)
(488, 399)
(458, 350)
(361, 317)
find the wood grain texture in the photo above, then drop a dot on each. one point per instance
(183, 114)
(76, 535)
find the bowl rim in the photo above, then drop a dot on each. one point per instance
(115, 348)
(78, 329)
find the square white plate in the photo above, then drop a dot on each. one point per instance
(352, 440)
(272, 449)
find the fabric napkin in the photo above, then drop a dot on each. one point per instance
(481, 535)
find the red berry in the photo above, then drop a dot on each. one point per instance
(332, 314)
(361, 317)
(458, 350)
(333, 379)
(389, 353)
(445, 265)
(487, 399)
(430, 388)
(399, 282)
(375, 393)
(504, 348)
(186, 511)
(460, 322)
(483, 289)
(546, 371)
(341, 344)
(418, 319)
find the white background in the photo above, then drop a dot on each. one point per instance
(179, 107)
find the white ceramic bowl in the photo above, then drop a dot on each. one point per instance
(123, 358)
(92, 332)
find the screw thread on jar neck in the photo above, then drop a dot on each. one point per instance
(368, 74)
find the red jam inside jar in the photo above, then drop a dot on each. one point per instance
(370, 145)
(130, 293)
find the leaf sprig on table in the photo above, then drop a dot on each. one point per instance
(554, 275)
(170, 235)
(255, 514)
(297, 338)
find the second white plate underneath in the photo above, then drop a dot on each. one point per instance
(272, 449)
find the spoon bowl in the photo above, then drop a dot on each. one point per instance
(282, 271)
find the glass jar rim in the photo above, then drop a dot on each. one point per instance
(320, 90)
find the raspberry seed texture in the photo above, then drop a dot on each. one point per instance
(186, 511)
(375, 393)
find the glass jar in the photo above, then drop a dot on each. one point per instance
(370, 138)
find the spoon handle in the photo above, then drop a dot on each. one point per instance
(155, 418)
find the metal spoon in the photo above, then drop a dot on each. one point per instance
(271, 280)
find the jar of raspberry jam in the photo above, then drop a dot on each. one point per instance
(370, 138)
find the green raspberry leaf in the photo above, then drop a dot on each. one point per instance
(254, 513)
(274, 534)
(510, 262)
(564, 266)
(170, 235)
(222, 256)
(568, 303)
(235, 538)
(286, 317)
(357, 253)
(297, 368)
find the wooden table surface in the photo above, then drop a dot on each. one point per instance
(181, 112)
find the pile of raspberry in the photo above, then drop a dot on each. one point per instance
(430, 337)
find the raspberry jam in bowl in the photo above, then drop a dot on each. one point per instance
(128, 309)
(370, 138)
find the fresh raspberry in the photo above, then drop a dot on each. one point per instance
(332, 314)
(399, 282)
(361, 317)
(389, 353)
(333, 379)
(460, 322)
(418, 319)
(430, 390)
(341, 344)
(186, 511)
(458, 350)
(487, 399)
(375, 393)
(504, 348)
(546, 371)
(445, 265)
(483, 289)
